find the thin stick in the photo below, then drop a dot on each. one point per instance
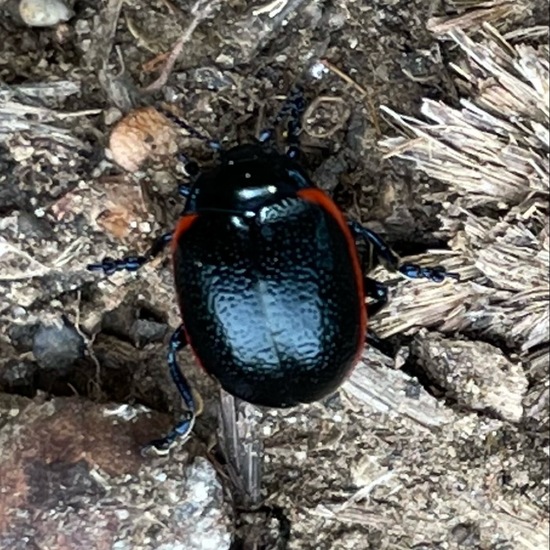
(241, 442)
(201, 13)
(363, 91)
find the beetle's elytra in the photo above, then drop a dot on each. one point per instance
(267, 276)
(268, 281)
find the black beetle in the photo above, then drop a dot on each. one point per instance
(268, 277)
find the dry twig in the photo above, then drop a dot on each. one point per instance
(495, 147)
(494, 150)
(363, 91)
(471, 14)
(201, 10)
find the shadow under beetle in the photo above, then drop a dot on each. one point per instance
(267, 276)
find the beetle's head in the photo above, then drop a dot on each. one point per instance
(243, 154)
(246, 178)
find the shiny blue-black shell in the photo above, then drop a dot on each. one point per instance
(268, 280)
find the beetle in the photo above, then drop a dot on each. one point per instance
(267, 276)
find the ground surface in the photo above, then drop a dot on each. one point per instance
(443, 446)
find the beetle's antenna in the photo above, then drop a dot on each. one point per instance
(214, 144)
(292, 108)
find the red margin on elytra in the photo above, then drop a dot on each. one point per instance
(184, 223)
(316, 196)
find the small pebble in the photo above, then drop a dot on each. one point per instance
(57, 347)
(44, 13)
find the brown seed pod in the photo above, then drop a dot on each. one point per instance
(141, 134)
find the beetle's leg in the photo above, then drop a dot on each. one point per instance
(184, 427)
(436, 274)
(378, 293)
(374, 341)
(131, 263)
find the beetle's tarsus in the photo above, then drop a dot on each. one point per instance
(436, 274)
(162, 446)
(110, 265)
(157, 447)
(185, 426)
(131, 263)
